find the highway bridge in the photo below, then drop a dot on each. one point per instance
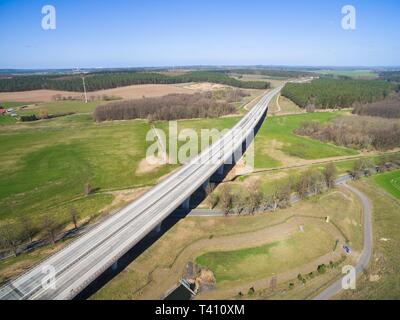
(66, 273)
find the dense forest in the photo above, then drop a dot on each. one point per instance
(393, 76)
(355, 132)
(332, 93)
(388, 108)
(107, 80)
(170, 107)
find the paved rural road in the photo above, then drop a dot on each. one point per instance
(363, 262)
(76, 266)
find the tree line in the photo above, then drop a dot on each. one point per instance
(328, 93)
(22, 234)
(249, 199)
(393, 76)
(359, 132)
(388, 108)
(101, 81)
(170, 107)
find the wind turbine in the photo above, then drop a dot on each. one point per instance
(84, 88)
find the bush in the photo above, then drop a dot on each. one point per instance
(252, 291)
(29, 118)
(321, 269)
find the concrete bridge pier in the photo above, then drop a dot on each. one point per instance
(220, 170)
(158, 228)
(186, 204)
(114, 267)
(205, 184)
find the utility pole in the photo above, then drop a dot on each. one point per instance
(84, 89)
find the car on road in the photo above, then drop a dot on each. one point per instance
(347, 249)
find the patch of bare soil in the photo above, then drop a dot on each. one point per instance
(206, 86)
(148, 165)
(36, 95)
(128, 92)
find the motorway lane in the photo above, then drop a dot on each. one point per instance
(83, 260)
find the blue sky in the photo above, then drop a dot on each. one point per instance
(131, 33)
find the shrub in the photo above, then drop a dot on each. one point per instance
(252, 291)
(321, 269)
(29, 118)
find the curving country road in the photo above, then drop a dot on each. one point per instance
(363, 262)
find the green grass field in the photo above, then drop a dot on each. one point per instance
(5, 120)
(13, 104)
(61, 107)
(280, 129)
(390, 182)
(366, 74)
(260, 262)
(45, 164)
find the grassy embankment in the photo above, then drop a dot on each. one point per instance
(382, 280)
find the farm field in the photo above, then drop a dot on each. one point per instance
(60, 107)
(357, 74)
(277, 145)
(127, 92)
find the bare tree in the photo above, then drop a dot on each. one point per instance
(87, 189)
(226, 199)
(212, 200)
(284, 194)
(74, 217)
(273, 199)
(303, 185)
(361, 167)
(255, 196)
(317, 181)
(330, 174)
(50, 226)
(11, 237)
(241, 200)
(29, 229)
(255, 200)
